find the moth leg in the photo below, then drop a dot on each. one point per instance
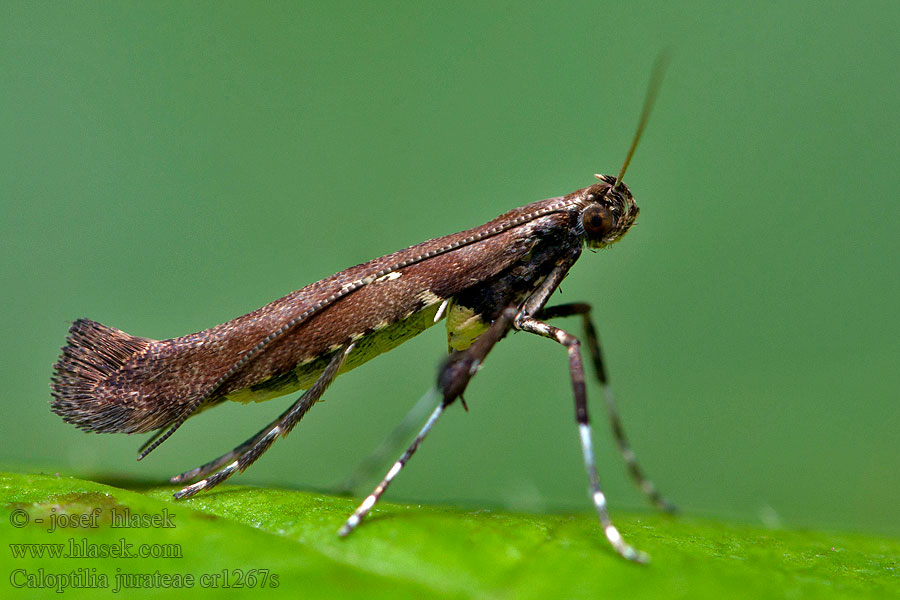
(212, 465)
(461, 366)
(593, 344)
(151, 440)
(389, 446)
(363, 509)
(576, 371)
(453, 378)
(162, 435)
(252, 449)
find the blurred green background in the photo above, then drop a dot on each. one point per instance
(167, 167)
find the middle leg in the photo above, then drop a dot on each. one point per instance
(453, 378)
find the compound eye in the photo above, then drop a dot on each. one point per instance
(597, 220)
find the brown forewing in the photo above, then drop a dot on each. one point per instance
(176, 371)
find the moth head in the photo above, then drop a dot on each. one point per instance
(607, 209)
(607, 212)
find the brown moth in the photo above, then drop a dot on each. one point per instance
(484, 282)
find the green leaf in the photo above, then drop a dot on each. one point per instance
(411, 551)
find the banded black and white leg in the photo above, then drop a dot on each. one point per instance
(593, 344)
(246, 454)
(453, 378)
(389, 447)
(576, 371)
(525, 321)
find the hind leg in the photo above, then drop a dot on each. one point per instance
(246, 454)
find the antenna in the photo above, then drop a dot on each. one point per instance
(659, 69)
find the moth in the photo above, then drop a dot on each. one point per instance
(483, 282)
